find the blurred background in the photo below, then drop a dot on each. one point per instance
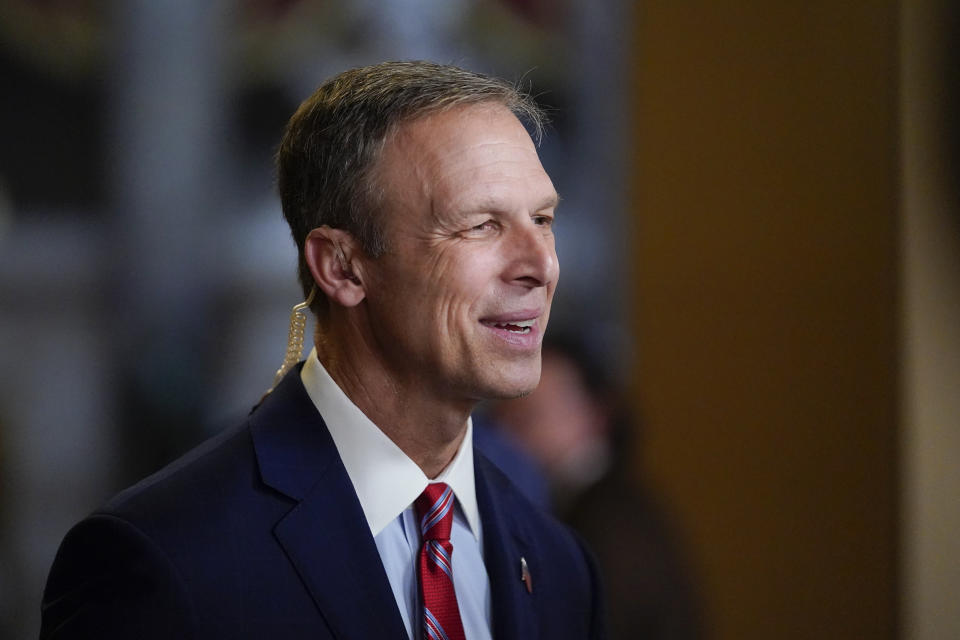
(760, 302)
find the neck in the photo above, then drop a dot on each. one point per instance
(427, 429)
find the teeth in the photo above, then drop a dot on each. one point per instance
(512, 328)
(518, 326)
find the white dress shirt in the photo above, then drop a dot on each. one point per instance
(387, 482)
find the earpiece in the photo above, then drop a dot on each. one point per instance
(347, 271)
(298, 324)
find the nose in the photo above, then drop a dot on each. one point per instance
(532, 256)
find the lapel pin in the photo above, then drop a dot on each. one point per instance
(525, 574)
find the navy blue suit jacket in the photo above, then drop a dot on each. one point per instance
(258, 533)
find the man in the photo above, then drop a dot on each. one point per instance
(423, 221)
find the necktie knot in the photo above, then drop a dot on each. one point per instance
(435, 510)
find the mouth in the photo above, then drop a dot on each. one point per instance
(522, 328)
(519, 327)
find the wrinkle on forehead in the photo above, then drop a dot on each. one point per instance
(425, 142)
(466, 159)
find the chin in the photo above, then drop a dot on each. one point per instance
(521, 394)
(518, 385)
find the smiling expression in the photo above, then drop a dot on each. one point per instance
(458, 304)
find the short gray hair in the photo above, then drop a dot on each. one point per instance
(334, 139)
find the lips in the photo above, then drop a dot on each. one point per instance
(519, 326)
(518, 323)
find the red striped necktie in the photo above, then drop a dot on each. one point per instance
(441, 616)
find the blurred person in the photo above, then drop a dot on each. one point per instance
(565, 426)
(351, 503)
(577, 430)
(522, 468)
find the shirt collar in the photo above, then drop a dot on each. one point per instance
(385, 479)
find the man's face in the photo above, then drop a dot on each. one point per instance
(458, 305)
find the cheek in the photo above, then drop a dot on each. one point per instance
(462, 281)
(459, 301)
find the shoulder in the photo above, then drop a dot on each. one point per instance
(221, 486)
(141, 565)
(205, 508)
(216, 472)
(110, 580)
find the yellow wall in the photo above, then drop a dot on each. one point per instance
(930, 367)
(765, 195)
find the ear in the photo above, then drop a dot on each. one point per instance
(328, 253)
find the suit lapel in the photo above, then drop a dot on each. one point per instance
(327, 539)
(325, 535)
(505, 543)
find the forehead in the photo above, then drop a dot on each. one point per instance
(467, 156)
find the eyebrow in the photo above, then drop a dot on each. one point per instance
(493, 205)
(550, 203)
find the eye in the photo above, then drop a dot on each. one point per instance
(486, 225)
(543, 221)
